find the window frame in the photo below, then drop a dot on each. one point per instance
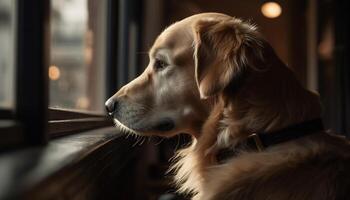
(25, 124)
(32, 121)
(66, 121)
(6, 114)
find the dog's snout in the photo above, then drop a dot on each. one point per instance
(111, 105)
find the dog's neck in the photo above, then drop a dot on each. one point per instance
(263, 108)
(270, 106)
(265, 103)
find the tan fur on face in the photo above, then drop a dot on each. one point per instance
(233, 83)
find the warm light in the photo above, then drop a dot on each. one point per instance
(82, 103)
(271, 9)
(54, 72)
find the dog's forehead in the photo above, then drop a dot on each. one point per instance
(178, 34)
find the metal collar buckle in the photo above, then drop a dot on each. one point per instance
(258, 143)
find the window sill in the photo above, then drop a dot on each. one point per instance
(66, 121)
(64, 127)
(72, 162)
(11, 134)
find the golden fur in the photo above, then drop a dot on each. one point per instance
(232, 86)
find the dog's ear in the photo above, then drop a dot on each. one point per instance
(222, 51)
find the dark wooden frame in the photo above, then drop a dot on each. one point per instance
(32, 121)
(84, 161)
(112, 178)
(32, 67)
(112, 47)
(130, 15)
(336, 96)
(29, 117)
(97, 163)
(63, 121)
(6, 114)
(342, 61)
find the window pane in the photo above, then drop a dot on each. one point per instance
(7, 47)
(77, 66)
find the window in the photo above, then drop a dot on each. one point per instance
(7, 44)
(65, 57)
(57, 57)
(77, 64)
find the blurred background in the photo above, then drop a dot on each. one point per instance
(93, 52)
(303, 34)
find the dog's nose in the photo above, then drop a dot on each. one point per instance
(111, 106)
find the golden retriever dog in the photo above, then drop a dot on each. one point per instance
(214, 77)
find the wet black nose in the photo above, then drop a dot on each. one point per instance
(111, 106)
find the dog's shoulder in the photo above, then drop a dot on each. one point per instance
(320, 173)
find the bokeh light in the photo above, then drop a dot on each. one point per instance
(54, 73)
(271, 9)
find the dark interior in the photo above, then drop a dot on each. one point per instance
(61, 59)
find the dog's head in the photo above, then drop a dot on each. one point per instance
(191, 62)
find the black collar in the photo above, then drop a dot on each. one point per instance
(261, 141)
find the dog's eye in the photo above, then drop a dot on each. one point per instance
(159, 64)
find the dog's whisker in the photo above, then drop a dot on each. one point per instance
(142, 141)
(160, 141)
(177, 143)
(139, 141)
(136, 140)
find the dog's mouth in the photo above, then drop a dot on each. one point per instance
(140, 127)
(165, 125)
